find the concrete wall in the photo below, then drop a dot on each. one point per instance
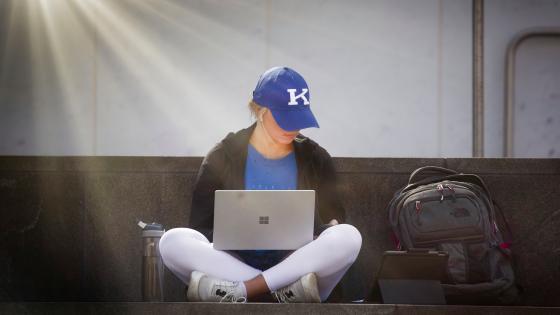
(387, 78)
(536, 118)
(537, 106)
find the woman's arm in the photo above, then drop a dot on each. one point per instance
(330, 204)
(207, 182)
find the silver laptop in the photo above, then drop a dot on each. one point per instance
(263, 219)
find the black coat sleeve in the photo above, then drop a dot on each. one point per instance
(208, 180)
(330, 204)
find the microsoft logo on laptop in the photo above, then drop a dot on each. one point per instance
(263, 220)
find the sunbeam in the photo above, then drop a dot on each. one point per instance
(88, 45)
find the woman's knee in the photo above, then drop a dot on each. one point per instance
(347, 239)
(176, 239)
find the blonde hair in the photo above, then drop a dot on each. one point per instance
(255, 109)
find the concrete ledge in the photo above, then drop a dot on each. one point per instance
(102, 308)
(100, 164)
(343, 165)
(69, 230)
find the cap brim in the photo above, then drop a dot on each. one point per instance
(291, 120)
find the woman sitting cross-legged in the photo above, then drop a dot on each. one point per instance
(270, 154)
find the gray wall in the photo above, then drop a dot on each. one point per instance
(387, 78)
(537, 90)
(537, 107)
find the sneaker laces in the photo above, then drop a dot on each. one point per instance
(280, 296)
(231, 297)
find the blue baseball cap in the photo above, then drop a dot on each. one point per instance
(284, 92)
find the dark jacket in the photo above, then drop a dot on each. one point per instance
(224, 169)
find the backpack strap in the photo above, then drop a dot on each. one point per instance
(505, 232)
(469, 178)
(429, 169)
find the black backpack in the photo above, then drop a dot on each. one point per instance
(455, 213)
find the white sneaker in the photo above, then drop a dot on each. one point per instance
(203, 288)
(304, 290)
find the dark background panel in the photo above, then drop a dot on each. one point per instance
(531, 205)
(112, 240)
(176, 196)
(42, 236)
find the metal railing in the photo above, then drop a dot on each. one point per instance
(510, 79)
(478, 78)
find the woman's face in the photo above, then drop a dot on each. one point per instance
(276, 133)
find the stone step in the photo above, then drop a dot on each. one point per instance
(141, 308)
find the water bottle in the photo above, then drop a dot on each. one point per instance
(152, 265)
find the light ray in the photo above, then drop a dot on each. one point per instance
(142, 59)
(124, 34)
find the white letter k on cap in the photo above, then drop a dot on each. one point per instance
(294, 97)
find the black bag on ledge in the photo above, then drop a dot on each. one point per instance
(453, 212)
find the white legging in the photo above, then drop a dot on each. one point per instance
(329, 256)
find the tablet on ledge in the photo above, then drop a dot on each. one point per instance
(412, 277)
